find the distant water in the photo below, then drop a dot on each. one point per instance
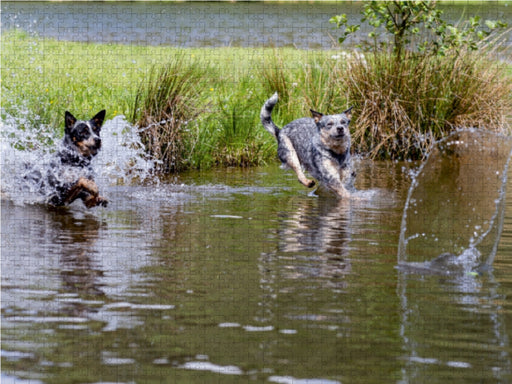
(208, 24)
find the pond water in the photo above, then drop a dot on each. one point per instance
(207, 24)
(239, 276)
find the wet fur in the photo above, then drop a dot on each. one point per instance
(320, 145)
(81, 143)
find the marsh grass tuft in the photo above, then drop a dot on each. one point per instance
(165, 104)
(315, 82)
(403, 106)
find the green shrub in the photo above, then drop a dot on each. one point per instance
(403, 107)
(425, 79)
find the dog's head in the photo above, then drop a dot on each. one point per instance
(84, 136)
(333, 129)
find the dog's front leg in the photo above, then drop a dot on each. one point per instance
(79, 189)
(93, 201)
(330, 176)
(90, 196)
(289, 157)
(87, 190)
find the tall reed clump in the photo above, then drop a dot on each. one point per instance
(404, 106)
(165, 106)
(430, 79)
(241, 141)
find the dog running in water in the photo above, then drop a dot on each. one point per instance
(320, 145)
(70, 177)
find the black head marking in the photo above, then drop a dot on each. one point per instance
(348, 112)
(97, 120)
(70, 121)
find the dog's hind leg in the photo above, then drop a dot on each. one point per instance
(288, 156)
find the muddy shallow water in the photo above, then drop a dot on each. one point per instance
(240, 276)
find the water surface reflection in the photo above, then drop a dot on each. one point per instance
(231, 275)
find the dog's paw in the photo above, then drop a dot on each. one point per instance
(94, 201)
(102, 201)
(310, 183)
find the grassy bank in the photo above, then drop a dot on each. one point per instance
(47, 77)
(227, 86)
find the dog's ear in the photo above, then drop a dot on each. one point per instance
(348, 112)
(316, 115)
(69, 120)
(97, 120)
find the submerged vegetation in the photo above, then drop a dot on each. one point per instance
(197, 108)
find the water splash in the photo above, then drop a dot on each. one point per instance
(28, 149)
(122, 159)
(453, 215)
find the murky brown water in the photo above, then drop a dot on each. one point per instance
(240, 276)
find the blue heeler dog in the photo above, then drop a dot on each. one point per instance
(69, 176)
(320, 145)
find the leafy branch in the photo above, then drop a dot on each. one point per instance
(417, 26)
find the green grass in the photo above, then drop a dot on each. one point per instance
(48, 77)
(223, 90)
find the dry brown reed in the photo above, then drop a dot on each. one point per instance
(403, 106)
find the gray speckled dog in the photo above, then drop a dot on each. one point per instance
(320, 145)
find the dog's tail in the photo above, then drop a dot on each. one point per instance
(265, 115)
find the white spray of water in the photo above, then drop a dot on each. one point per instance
(122, 159)
(28, 150)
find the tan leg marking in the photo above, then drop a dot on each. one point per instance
(337, 176)
(87, 185)
(294, 163)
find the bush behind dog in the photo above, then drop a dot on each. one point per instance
(404, 106)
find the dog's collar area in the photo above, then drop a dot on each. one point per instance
(341, 157)
(69, 157)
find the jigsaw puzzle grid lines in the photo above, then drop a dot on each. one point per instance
(121, 276)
